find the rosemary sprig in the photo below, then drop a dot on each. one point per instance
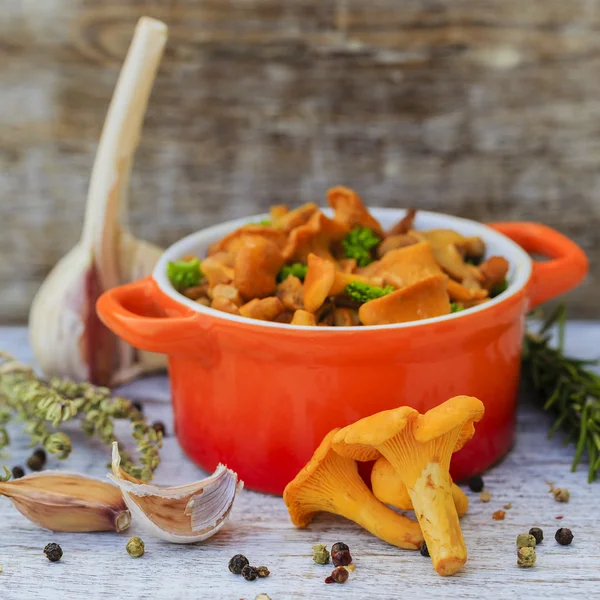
(45, 405)
(568, 388)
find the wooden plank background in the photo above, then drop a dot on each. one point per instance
(488, 109)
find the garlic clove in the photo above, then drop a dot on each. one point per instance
(68, 502)
(180, 514)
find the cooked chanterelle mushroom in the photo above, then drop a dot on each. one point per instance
(390, 489)
(331, 483)
(419, 447)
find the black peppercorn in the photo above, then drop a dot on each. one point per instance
(476, 483)
(249, 573)
(538, 534)
(564, 536)
(17, 472)
(237, 563)
(53, 552)
(35, 463)
(424, 550)
(340, 554)
(159, 426)
(41, 453)
(263, 572)
(339, 575)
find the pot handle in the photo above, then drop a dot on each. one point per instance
(130, 312)
(567, 265)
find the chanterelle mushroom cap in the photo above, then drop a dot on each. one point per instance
(419, 447)
(331, 483)
(350, 209)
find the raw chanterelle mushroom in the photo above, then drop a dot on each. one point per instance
(331, 483)
(419, 447)
(390, 489)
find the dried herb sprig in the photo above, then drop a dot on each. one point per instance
(568, 388)
(44, 406)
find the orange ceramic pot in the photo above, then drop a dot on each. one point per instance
(260, 396)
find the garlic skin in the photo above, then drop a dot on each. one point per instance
(68, 502)
(180, 514)
(67, 337)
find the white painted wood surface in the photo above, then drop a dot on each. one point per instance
(97, 566)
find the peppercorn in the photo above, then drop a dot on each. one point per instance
(424, 550)
(561, 494)
(262, 597)
(249, 573)
(340, 554)
(526, 540)
(41, 453)
(263, 571)
(53, 552)
(135, 547)
(485, 496)
(138, 406)
(526, 557)
(17, 472)
(537, 533)
(35, 463)
(320, 554)
(475, 483)
(564, 536)
(338, 575)
(159, 427)
(237, 563)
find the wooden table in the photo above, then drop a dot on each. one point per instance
(97, 566)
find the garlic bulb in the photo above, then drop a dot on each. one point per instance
(180, 514)
(67, 337)
(69, 502)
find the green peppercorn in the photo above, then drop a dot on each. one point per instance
(135, 547)
(17, 472)
(561, 494)
(564, 536)
(526, 540)
(338, 575)
(35, 463)
(263, 571)
(249, 573)
(526, 557)
(53, 552)
(476, 483)
(537, 533)
(237, 563)
(424, 550)
(340, 554)
(320, 554)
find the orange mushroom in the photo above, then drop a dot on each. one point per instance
(461, 293)
(323, 280)
(303, 317)
(265, 309)
(291, 293)
(316, 236)
(331, 483)
(392, 242)
(493, 271)
(419, 447)
(390, 489)
(233, 241)
(405, 224)
(256, 266)
(350, 210)
(216, 271)
(422, 300)
(295, 218)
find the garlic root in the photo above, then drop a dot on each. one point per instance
(67, 337)
(179, 514)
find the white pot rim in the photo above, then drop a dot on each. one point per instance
(197, 243)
